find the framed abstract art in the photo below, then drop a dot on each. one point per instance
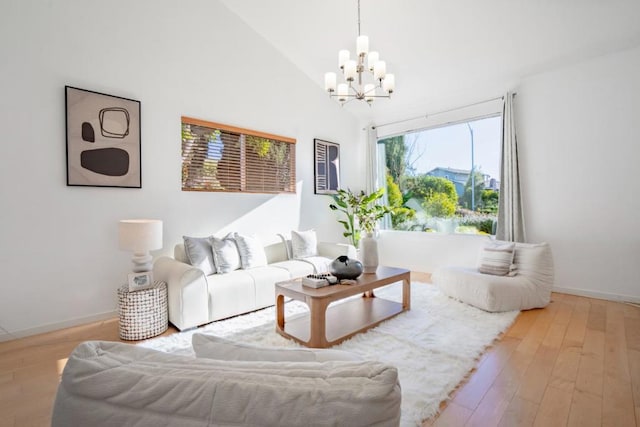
(326, 167)
(103, 139)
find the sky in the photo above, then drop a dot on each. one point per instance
(450, 147)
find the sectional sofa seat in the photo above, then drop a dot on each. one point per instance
(195, 298)
(115, 384)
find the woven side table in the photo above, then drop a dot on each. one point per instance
(143, 314)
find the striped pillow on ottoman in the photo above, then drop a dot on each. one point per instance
(497, 259)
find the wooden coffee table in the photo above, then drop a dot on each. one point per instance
(326, 326)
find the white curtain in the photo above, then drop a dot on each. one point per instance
(375, 169)
(371, 166)
(510, 215)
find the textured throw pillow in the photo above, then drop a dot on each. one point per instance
(497, 259)
(225, 254)
(199, 253)
(212, 347)
(303, 244)
(251, 251)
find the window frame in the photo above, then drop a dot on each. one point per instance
(453, 117)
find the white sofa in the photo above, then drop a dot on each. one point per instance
(195, 299)
(114, 384)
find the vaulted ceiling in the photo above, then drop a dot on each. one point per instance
(443, 53)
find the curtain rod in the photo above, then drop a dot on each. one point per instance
(424, 116)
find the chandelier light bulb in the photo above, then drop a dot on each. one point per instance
(379, 70)
(343, 90)
(362, 45)
(372, 58)
(389, 83)
(343, 56)
(350, 70)
(330, 82)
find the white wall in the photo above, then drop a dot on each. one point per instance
(59, 254)
(579, 135)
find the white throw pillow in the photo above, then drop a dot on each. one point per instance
(225, 254)
(303, 244)
(212, 347)
(199, 253)
(497, 259)
(251, 251)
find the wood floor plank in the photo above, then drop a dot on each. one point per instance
(634, 373)
(519, 413)
(617, 400)
(7, 420)
(491, 408)
(574, 336)
(536, 379)
(590, 375)
(631, 310)
(554, 408)
(586, 410)
(471, 393)
(453, 416)
(632, 330)
(523, 324)
(597, 315)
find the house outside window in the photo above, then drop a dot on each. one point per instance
(444, 178)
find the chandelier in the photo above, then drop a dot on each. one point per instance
(367, 63)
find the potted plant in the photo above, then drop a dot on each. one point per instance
(361, 210)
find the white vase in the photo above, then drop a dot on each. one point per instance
(369, 253)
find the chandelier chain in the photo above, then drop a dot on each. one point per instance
(358, 17)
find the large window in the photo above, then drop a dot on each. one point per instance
(444, 179)
(217, 157)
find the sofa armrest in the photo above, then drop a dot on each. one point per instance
(187, 292)
(334, 250)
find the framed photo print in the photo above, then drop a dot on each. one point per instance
(140, 281)
(326, 166)
(103, 139)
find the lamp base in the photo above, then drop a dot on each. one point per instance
(142, 261)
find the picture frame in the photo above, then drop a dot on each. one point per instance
(326, 166)
(140, 281)
(103, 141)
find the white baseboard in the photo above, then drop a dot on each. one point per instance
(11, 335)
(597, 295)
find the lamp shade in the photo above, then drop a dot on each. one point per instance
(140, 235)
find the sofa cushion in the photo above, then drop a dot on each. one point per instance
(251, 251)
(212, 347)
(295, 267)
(264, 279)
(225, 254)
(304, 244)
(199, 253)
(116, 384)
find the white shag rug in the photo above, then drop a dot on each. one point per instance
(434, 345)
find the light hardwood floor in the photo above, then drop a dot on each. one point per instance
(574, 363)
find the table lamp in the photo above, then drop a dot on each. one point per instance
(140, 236)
